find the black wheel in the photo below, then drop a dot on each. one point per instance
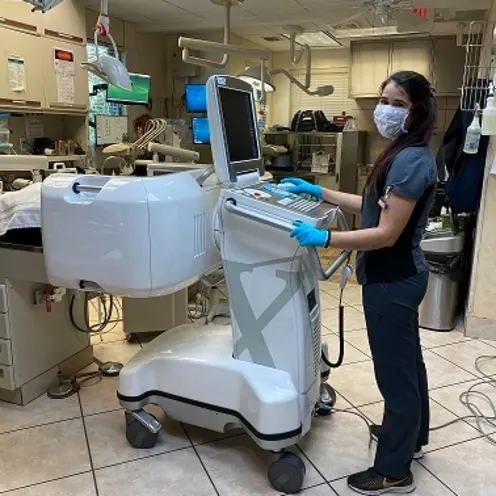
(286, 475)
(137, 435)
(327, 395)
(131, 338)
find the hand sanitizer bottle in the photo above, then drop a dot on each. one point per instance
(474, 133)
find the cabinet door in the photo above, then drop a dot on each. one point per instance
(25, 87)
(19, 15)
(55, 100)
(67, 20)
(414, 55)
(449, 61)
(369, 68)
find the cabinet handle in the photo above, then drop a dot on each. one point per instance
(74, 106)
(58, 34)
(19, 25)
(20, 103)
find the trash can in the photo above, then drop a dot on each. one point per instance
(444, 253)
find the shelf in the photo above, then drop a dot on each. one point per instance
(65, 158)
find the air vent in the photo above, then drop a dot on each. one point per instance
(200, 235)
(347, 26)
(272, 39)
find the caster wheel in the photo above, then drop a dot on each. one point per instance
(286, 475)
(131, 338)
(327, 395)
(138, 436)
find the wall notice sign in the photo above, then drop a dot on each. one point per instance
(17, 73)
(65, 71)
(64, 62)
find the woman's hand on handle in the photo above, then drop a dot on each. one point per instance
(310, 236)
(301, 187)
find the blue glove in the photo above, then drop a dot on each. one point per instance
(310, 236)
(301, 187)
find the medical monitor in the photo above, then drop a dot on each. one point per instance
(196, 98)
(201, 131)
(138, 95)
(234, 132)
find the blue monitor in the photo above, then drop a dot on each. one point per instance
(196, 98)
(201, 131)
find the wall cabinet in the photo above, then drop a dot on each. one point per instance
(25, 48)
(449, 62)
(66, 21)
(412, 55)
(19, 15)
(439, 59)
(369, 68)
(52, 97)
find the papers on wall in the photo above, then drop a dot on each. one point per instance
(17, 73)
(65, 72)
(34, 128)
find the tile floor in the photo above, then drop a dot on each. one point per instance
(77, 446)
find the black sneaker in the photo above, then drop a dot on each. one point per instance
(371, 483)
(374, 434)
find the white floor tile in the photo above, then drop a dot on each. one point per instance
(39, 454)
(78, 485)
(351, 354)
(108, 444)
(353, 319)
(239, 468)
(465, 354)
(356, 382)
(41, 411)
(99, 396)
(178, 474)
(339, 445)
(468, 468)
(433, 339)
(442, 373)
(360, 340)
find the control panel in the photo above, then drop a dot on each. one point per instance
(280, 196)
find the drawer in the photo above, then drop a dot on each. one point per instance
(7, 378)
(5, 352)
(4, 326)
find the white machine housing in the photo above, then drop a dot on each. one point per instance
(128, 236)
(263, 374)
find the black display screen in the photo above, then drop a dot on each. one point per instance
(239, 125)
(312, 300)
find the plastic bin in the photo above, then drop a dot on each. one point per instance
(444, 253)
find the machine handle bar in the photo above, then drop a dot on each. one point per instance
(78, 188)
(322, 275)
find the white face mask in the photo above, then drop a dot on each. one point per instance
(390, 121)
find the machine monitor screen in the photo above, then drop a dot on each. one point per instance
(239, 125)
(138, 95)
(196, 98)
(233, 128)
(201, 131)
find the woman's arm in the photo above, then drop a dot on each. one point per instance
(346, 201)
(392, 222)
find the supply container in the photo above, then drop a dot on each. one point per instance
(4, 131)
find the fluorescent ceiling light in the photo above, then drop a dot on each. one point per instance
(319, 39)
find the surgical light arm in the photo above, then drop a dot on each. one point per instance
(179, 153)
(321, 273)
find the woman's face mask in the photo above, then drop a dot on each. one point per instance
(390, 121)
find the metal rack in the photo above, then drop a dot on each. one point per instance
(309, 145)
(480, 65)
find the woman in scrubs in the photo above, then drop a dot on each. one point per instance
(391, 268)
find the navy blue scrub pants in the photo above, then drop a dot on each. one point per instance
(391, 313)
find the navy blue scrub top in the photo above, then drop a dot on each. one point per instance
(412, 175)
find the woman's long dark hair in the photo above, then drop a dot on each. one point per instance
(420, 125)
